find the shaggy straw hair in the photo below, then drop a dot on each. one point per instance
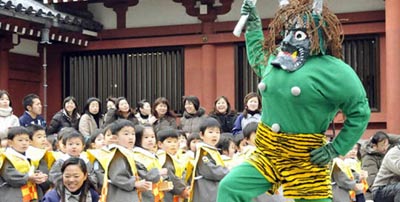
(301, 12)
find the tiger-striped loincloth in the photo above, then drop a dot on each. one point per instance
(284, 159)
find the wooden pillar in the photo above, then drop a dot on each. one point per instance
(209, 75)
(120, 7)
(393, 64)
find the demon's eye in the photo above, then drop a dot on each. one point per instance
(300, 35)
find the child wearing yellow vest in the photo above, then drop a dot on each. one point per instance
(121, 179)
(101, 157)
(40, 157)
(149, 167)
(168, 144)
(73, 142)
(18, 178)
(347, 183)
(209, 167)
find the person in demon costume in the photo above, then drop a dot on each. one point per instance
(303, 83)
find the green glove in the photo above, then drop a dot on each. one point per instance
(253, 21)
(324, 154)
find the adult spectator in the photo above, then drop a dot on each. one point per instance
(68, 116)
(7, 118)
(224, 114)
(33, 111)
(75, 185)
(92, 118)
(193, 115)
(122, 111)
(163, 113)
(372, 160)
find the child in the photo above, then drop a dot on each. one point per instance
(100, 157)
(18, 178)
(193, 139)
(41, 159)
(249, 134)
(227, 149)
(209, 167)
(182, 142)
(37, 135)
(344, 181)
(74, 144)
(151, 169)
(168, 142)
(123, 183)
(96, 140)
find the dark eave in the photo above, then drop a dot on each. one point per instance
(63, 27)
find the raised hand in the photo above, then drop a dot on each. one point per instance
(249, 9)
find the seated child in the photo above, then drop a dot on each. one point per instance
(209, 167)
(168, 142)
(123, 183)
(150, 168)
(18, 178)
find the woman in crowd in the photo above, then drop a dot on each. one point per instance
(143, 113)
(7, 118)
(251, 112)
(122, 111)
(66, 117)
(75, 185)
(163, 113)
(372, 160)
(224, 114)
(193, 115)
(92, 118)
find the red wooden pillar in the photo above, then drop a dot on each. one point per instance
(393, 64)
(209, 75)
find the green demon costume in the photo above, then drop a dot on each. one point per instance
(303, 85)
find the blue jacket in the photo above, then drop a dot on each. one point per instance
(26, 120)
(53, 196)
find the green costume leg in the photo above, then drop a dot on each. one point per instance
(243, 183)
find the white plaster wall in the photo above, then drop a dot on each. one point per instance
(166, 12)
(26, 47)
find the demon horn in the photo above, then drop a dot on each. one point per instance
(317, 7)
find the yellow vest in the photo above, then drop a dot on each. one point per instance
(202, 151)
(36, 154)
(150, 161)
(346, 169)
(129, 156)
(28, 191)
(103, 156)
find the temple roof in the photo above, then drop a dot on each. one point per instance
(29, 17)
